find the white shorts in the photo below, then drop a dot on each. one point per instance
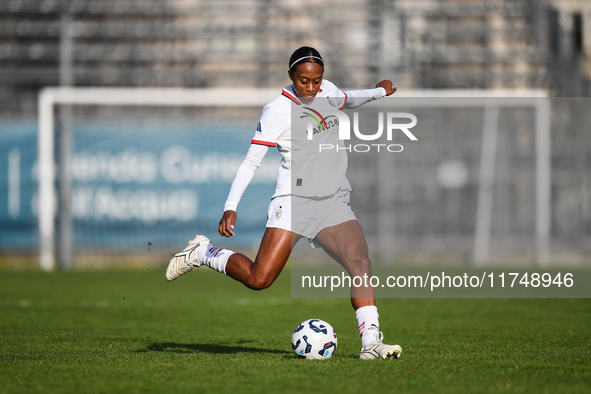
(307, 216)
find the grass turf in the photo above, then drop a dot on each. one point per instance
(132, 332)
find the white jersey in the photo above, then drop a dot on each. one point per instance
(303, 170)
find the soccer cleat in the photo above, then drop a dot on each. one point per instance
(377, 349)
(187, 260)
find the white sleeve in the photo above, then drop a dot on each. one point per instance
(244, 175)
(356, 98)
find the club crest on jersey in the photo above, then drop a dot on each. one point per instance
(259, 130)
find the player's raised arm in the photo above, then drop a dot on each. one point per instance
(387, 85)
(356, 98)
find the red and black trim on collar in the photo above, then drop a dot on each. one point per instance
(291, 96)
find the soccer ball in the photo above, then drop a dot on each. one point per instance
(314, 339)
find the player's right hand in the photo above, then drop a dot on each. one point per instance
(227, 223)
(387, 85)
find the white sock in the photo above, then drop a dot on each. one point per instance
(214, 257)
(368, 323)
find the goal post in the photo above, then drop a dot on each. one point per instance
(49, 98)
(491, 101)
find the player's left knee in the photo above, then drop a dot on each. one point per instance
(260, 282)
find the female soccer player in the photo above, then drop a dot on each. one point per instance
(330, 221)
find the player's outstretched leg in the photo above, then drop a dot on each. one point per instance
(199, 252)
(187, 260)
(273, 253)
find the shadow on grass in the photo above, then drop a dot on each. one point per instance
(173, 347)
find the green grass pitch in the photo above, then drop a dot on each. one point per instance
(133, 332)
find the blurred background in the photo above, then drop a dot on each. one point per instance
(133, 182)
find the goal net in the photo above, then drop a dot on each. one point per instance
(146, 169)
(143, 170)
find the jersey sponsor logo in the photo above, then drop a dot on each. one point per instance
(259, 130)
(319, 122)
(317, 116)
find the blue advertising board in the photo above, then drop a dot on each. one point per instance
(133, 185)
